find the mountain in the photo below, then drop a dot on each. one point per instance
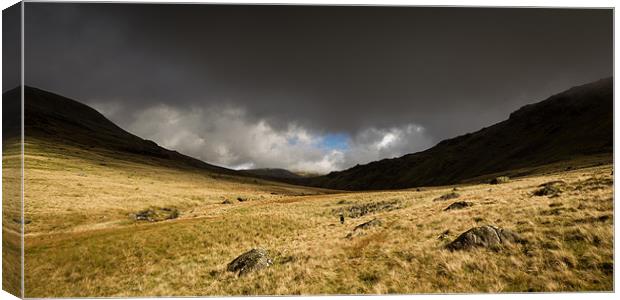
(271, 173)
(57, 120)
(571, 125)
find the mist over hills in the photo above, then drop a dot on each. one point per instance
(570, 125)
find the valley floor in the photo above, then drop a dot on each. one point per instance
(82, 239)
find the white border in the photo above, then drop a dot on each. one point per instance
(513, 3)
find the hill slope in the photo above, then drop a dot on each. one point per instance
(574, 124)
(271, 173)
(569, 125)
(62, 121)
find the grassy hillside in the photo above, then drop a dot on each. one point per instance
(574, 125)
(82, 172)
(68, 187)
(63, 121)
(82, 240)
(11, 217)
(271, 173)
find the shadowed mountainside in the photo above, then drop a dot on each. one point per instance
(271, 173)
(62, 121)
(573, 124)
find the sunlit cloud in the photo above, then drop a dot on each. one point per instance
(228, 137)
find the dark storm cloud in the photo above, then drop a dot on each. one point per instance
(319, 70)
(11, 47)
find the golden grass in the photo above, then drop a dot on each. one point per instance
(11, 219)
(82, 241)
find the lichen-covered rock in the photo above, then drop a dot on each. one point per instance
(458, 205)
(156, 214)
(252, 260)
(359, 210)
(484, 236)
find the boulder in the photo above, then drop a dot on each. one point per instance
(227, 202)
(448, 196)
(357, 231)
(371, 223)
(551, 188)
(458, 205)
(252, 260)
(485, 236)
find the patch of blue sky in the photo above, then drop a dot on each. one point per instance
(335, 141)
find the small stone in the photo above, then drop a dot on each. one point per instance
(19, 221)
(607, 268)
(500, 180)
(458, 205)
(448, 196)
(444, 235)
(371, 223)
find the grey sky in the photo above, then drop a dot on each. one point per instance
(309, 87)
